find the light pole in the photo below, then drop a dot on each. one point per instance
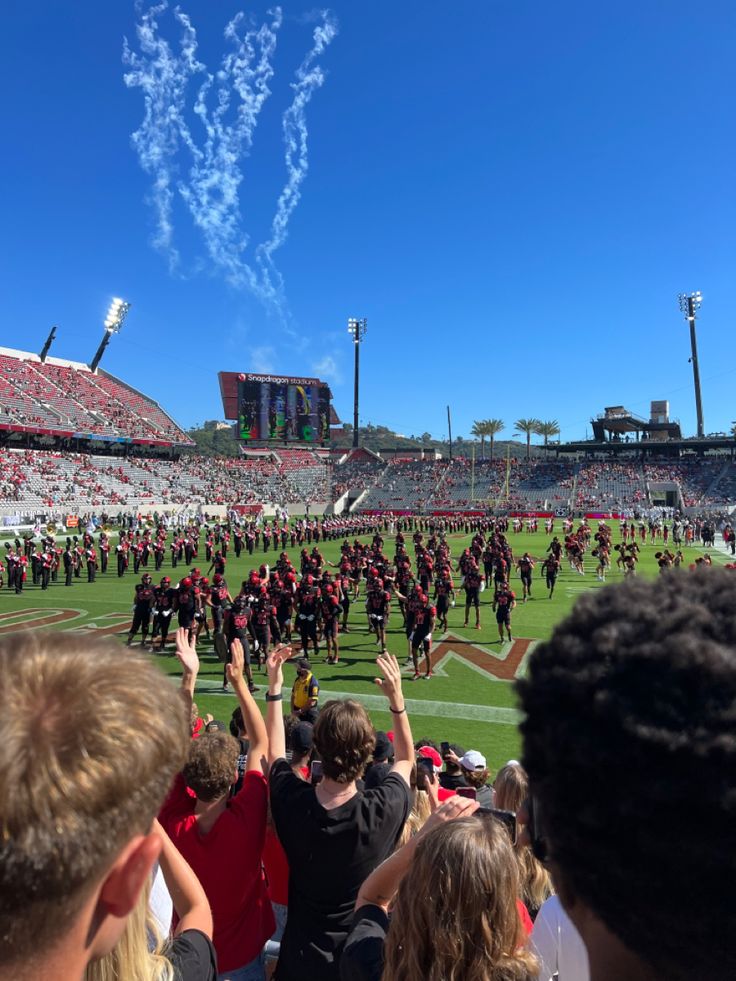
(689, 303)
(113, 322)
(358, 329)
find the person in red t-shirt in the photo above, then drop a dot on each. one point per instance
(223, 837)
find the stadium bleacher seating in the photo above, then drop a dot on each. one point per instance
(64, 397)
(356, 473)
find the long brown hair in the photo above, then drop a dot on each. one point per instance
(512, 789)
(455, 916)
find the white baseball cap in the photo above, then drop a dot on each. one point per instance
(473, 760)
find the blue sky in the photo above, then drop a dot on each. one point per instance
(513, 194)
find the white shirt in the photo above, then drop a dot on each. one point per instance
(558, 945)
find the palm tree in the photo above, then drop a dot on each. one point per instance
(493, 427)
(527, 426)
(549, 428)
(479, 429)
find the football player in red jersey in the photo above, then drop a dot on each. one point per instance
(143, 605)
(330, 611)
(503, 603)
(422, 638)
(471, 585)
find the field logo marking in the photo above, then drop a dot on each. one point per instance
(117, 623)
(34, 618)
(504, 664)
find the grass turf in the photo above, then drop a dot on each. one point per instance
(464, 703)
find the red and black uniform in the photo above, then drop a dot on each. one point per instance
(550, 568)
(163, 600)
(330, 611)
(121, 551)
(186, 604)
(415, 604)
(379, 601)
(423, 625)
(158, 554)
(504, 601)
(262, 613)
(443, 591)
(142, 605)
(284, 600)
(526, 565)
(238, 627)
(104, 552)
(91, 556)
(218, 595)
(471, 585)
(307, 615)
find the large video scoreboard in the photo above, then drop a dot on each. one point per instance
(278, 408)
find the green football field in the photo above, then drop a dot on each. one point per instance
(470, 700)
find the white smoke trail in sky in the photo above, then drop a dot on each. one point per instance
(212, 193)
(294, 124)
(162, 76)
(227, 104)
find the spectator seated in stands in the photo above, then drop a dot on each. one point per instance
(629, 724)
(86, 764)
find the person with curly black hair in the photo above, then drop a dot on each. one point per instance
(630, 745)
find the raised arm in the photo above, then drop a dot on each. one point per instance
(381, 885)
(274, 704)
(186, 651)
(187, 894)
(390, 685)
(254, 724)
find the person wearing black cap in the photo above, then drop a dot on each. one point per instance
(377, 771)
(300, 743)
(305, 691)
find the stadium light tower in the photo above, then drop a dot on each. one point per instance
(689, 303)
(358, 329)
(113, 322)
(47, 345)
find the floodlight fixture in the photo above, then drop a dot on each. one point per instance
(689, 304)
(357, 328)
(116, 315)
(114, 318)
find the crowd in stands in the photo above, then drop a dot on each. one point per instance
(51, 479)
(609, 485)
(406, 484)
(141, 841)
(695, 478)
(54, 479)
(68, 398)
(355, 475)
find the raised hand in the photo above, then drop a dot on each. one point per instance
(455, 807)
(274, 666)
(186, 650)
(390, 684)
(234, 669)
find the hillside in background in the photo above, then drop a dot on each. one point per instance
(215, 439)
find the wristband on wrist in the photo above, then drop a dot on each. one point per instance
(397, 711)
(274, 698)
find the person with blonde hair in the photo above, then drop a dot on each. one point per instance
(511, 789)
(452, 893)
(142, 954)
(84, 766)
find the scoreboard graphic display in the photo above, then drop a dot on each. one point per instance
(283, 409)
